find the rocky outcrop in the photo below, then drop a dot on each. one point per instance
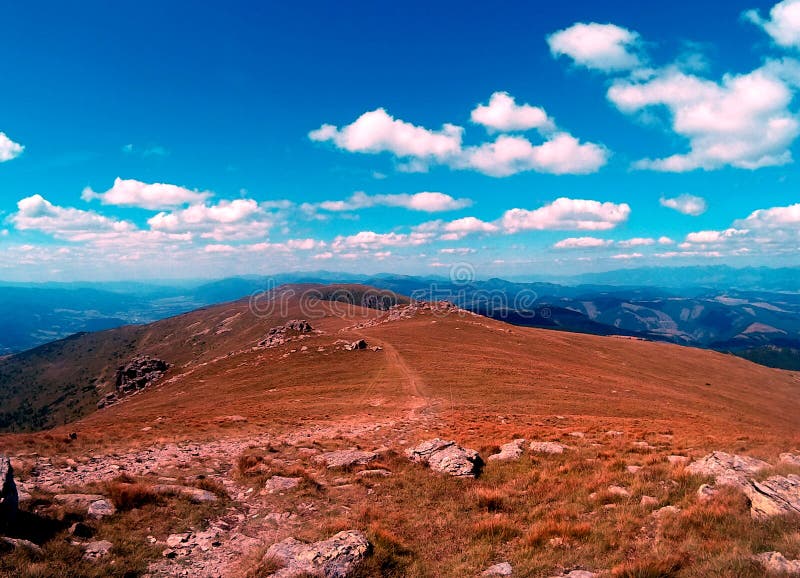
(790, 459)
(9, 498)
(278, 484)
(509, 452)
(99, 549)
(282, 333)
(139, 373)
(727, 469)
(447, 457)
(335, 557)
(776, 563)
(774, 496)
(78, 502)
(345, 458)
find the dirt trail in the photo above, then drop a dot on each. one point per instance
(421, 403)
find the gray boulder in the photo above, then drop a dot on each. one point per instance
(727, 469)
(509, 452)
(100, 549)
(447, 457)
(776, 563)
(335, 557)
(547, 447)
(774, 496)
(501, 569)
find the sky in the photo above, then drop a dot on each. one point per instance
(157, 140)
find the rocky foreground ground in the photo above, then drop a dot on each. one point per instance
(266, 491)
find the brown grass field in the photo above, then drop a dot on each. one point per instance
(479, 382)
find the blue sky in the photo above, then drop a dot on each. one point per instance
(149, 140)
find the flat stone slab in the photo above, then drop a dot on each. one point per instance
(501, 569)
(335, 557)
(547, 447)
(727, 469)
(278, 484)
(345, 458)
(99, 549)
(196, 495)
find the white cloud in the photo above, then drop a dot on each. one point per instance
(582, 243)
(627, 256)
(604, 47)
(39, 214)
(783, 24)
(8, 148)
(686, 204)
(504, 114)
(418, 147)
(743, 121)
(565, 213)
(429, 202)
(372, 240)
(460, 228)
(457, 251)
(509, 155)
(227, 220)
(637, 242)
(774, 218)
(709, 237)
(665, 241)
(377, 131)
(133, 193)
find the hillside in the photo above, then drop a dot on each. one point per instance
(240, 413)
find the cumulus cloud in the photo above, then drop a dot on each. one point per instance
(774, 218)
(503, 114)
(8, 148)
(743, 121)
(38, 214)
(565, 213)
(429, 202)
(604, 47)
(582, 243)
(460, 228)
(706, 237)
(686, 204)
(783, 24)
(418, 147)
(226, 220)
(509, 155)
(154, 196)
(377, 131)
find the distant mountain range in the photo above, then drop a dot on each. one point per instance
(752, 312)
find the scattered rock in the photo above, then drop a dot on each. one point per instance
(619, 491)
(633, 469)
(377, 473)
(277, 484)
(678, 460)
(8, 544)
(335, 557)
(447, 457)
(666, 511)
(501, 569)
(356, 345)
(790, 459)
(577, 434)
(547, 447)
(9, 498)
(101, 509)
(648, 501)
(510, 451)
(283, 333)
(614, 433)
(776, 563)
(94, 550)
(345, 458)
(178, 540)
(192, 494)
(578, 574)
